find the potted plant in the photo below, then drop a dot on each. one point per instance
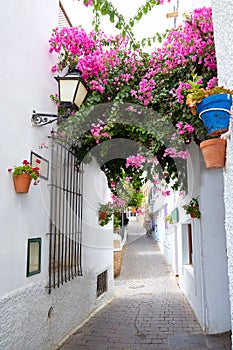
(192, 208)
(168, 218)
(116, 223)
(23, 174)
(213, 105)
(105, 213)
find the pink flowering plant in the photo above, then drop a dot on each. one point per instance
(26, 168)
(116, 205)
(98, 131)
(121, 198)
(120, 73)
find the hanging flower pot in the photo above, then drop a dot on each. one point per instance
(102, 215)
(192, 208)
(23, 174)
(214, 111)
(22, 183)
(214, 153)
(193, 212)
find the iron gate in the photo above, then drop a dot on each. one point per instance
(66, 196)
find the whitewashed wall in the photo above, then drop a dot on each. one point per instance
(30, 317)
(223, 27)
(205, 283)
(26, 83)
(214, 251)
(33, 319)
(206, 286)
(97, 240)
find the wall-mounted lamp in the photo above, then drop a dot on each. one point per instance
(72, 91)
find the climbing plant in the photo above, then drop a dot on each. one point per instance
(106, 8)
(136, 95)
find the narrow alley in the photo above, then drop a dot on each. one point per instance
(149, 311)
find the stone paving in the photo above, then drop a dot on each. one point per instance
(149, 312)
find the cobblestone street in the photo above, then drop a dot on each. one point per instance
(149, 311)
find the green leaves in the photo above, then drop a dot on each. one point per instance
(106, 8)
(119, 73)
(112, 17)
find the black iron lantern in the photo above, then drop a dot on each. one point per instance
(72, 92)
(72, 89)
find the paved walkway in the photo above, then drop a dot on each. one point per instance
(149, 311)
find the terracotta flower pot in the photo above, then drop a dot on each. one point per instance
(102, 215)
(214, 153)
(22, 183)
(192, 213)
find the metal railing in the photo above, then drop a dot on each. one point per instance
(65, 232)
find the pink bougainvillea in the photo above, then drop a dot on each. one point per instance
(116, 72)
(97, 56)
(194, 41)
(182, 129)
(135, 161)
(117, 202)
(172, 152)
(98, 131)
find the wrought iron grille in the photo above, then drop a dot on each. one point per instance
(101, 283)
(65, 249)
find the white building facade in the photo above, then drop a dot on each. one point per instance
(223, 28)
(196, 248)
(38, 310)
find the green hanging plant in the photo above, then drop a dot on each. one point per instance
(192, 208)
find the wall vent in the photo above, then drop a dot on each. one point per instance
(101, 283)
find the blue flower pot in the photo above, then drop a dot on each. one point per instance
(214, 112)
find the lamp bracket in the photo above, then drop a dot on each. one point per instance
(40, 119)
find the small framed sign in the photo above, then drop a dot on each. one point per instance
(33, 256)
(42, 163)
